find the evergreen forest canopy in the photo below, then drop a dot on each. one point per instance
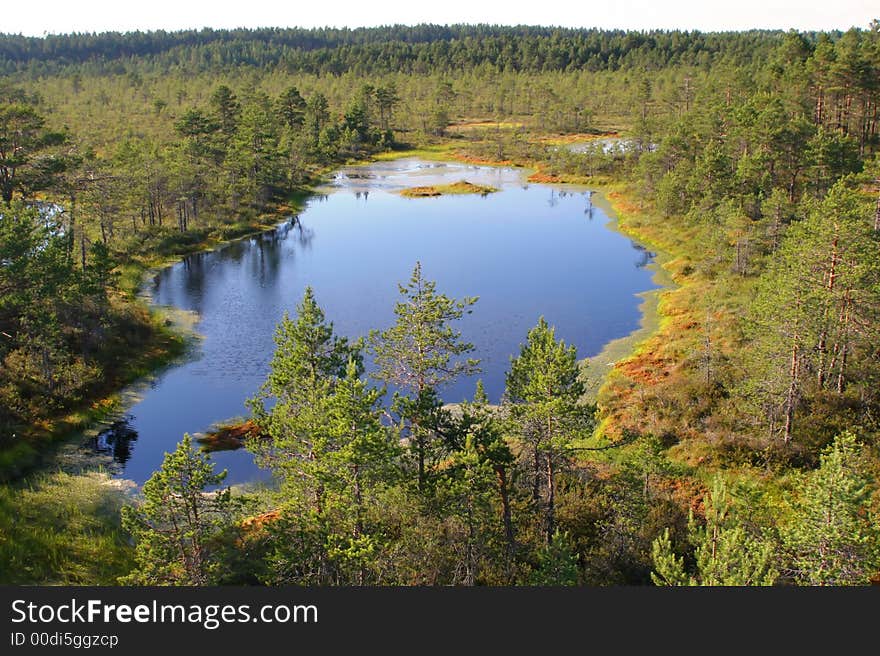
(395, 49)
(737, 445)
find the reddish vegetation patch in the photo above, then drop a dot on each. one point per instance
(655, 389)
(230, 438)
(687, 492)
(621, 204)
(253, 529)
(258, 522)
(645, 369)
(545, 178)
(470, 159)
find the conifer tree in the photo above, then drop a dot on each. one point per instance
(178, 529)
(543, 396)
(308, 361)
(332, 493)
(420, 353)
(833, 537)
(725, 553)
(557, 563)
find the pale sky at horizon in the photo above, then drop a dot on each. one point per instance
(55, 17)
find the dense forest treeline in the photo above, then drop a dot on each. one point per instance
(420, 49)
(738, 445)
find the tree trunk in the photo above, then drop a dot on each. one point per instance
(822, 347)
(791, 396)
(877, 211)
(420, 443)
(844, 348)
(536, 484)
(505, 511)
(551, 498)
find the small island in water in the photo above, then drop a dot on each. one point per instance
(460, 187)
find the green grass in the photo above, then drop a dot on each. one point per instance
(63, 529)
(432, 152)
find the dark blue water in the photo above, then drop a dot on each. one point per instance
(527, 251)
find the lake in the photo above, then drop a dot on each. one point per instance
(526, 251)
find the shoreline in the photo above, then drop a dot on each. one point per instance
(179, 324)
(55, 449)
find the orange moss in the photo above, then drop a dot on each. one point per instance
(471, 159)
(258, 522)
(230, 438)
(254, 529)
(544, 178)
(622, 205)
(652, 390)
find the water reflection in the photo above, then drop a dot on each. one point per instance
(117, 440)
(645, 256)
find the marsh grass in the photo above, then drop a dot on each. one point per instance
(63, 529)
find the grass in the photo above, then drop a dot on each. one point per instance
(483, 124)
(431, 152)
(566, 139)
(456, 188)
(63, 529)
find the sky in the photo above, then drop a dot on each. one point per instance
(40, 17)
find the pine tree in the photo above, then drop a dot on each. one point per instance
(179, 527)
(24, 139)
(418, 354)
(557, 563)
(308, 361)
(543, 396)
(473, 489)
(725, 553)
(482, 426)
(331, 495)
(357, 457)
(291, 108)
(833, 538)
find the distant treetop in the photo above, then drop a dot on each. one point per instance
(410, 49)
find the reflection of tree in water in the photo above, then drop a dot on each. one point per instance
(589, 208)
(303, 234)
(194, 279)
(645, 256)
(267, 261)
(116, 441)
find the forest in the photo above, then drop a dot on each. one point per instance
(735, 444)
